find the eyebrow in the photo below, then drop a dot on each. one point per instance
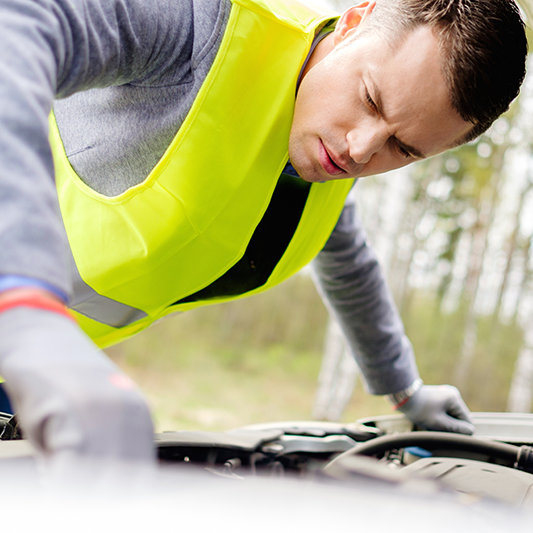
(379, 106)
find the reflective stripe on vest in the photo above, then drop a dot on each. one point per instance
(100, 308)
(192, 218)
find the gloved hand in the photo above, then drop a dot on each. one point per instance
(439, 408)
(71, 400)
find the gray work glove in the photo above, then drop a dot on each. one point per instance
(71, 400)
(439, 408)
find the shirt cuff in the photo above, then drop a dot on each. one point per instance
(400, 398)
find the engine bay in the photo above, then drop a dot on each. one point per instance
(495, 464)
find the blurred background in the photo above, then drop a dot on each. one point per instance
(455, 237)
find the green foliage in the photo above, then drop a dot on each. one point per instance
(258, 359)
(492, 370)
(437, 339)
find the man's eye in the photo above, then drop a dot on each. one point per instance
(403, 152)
(369, 101)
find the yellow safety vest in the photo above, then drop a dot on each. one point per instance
(191, 219)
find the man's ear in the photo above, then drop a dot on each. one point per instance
(351, 19)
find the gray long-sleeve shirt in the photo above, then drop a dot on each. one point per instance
(125, 73)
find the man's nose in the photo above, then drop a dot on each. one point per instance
(365, 141)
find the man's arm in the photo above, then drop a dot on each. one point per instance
(51, 49)
(349, 276)
(71, 399)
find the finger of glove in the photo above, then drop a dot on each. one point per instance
(70, 398)
(457, 408)
(453, 425)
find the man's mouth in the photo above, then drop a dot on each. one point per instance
(327, 161)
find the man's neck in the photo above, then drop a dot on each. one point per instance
(322, 49)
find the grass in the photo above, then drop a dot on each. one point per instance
(250, 361)
(257, 360)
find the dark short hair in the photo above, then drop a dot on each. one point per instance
(483, 45)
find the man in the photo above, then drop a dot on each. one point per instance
(169, 138)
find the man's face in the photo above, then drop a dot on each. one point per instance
(368, 107)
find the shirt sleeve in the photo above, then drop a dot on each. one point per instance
(350, 279)
(52, 49)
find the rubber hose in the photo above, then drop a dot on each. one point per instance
(432, 440)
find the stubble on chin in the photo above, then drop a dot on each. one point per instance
(298, 160)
